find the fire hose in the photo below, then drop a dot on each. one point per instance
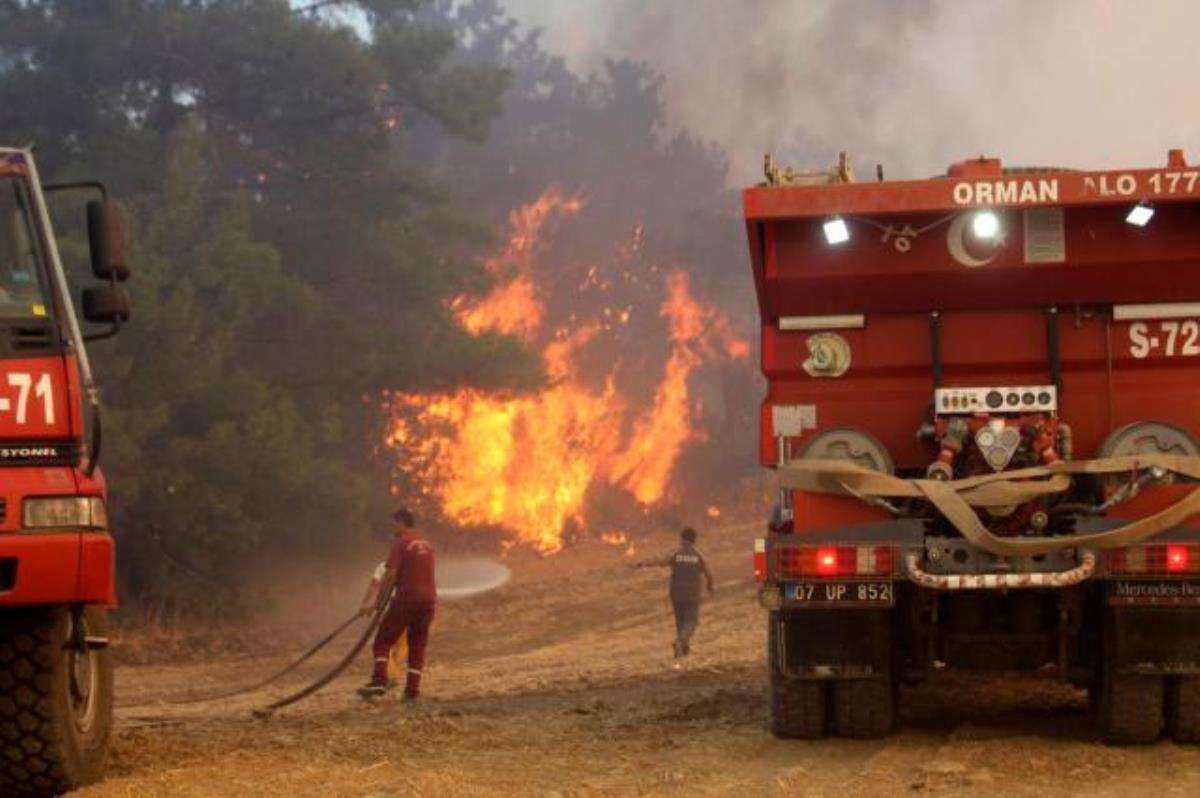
(333, 673)
(956, 499)
(307, 655)
(311, 688)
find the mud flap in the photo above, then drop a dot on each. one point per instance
(833, 643)
(1153, 641)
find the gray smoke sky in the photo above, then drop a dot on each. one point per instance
(916, 85)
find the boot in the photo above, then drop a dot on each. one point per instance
(373, 688)
(412, 685)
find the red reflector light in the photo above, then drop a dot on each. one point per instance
(760, 560)
(827, 562)
(797, 562)
(1171, 558)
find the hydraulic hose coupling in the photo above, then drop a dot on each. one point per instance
(940, 470)
(951, 445)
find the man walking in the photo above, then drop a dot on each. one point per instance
(689, 572)
(407, 585)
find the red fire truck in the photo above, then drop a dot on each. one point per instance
(983, 405)
(56, 555)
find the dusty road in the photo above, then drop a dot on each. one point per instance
(559, 684)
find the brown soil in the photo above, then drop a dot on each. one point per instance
(560, 684)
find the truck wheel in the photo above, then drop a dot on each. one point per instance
(1131, 709)
(55, 700)
(1183, 709)
(863, 708)
(798, 709)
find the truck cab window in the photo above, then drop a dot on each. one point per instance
(21, 293)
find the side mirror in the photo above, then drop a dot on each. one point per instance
(108, 230)
(106, 304)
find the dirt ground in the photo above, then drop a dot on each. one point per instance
(559, 684)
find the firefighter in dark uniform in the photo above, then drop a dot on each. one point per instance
(689, 577)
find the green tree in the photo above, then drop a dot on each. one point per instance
(294, 258)
(218, 465)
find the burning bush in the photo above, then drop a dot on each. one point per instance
(526, 463)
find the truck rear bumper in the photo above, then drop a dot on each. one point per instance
(59, 568)
(1007, 581)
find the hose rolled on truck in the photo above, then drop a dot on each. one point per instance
(955, 499)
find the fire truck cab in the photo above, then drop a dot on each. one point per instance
(983, 406)
(56, 551)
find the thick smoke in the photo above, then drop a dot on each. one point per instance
(913, 85)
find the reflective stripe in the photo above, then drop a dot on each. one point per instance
(414, 670)
(848, 321)
(1170, 310)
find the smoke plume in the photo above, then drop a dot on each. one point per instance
(914, 85)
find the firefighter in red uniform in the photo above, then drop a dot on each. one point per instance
(408, 580)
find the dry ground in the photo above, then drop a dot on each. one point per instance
(559, 684)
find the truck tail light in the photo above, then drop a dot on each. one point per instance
(1159, 558)
(799, 562)
(760, 560)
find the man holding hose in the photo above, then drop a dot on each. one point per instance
(407, 585)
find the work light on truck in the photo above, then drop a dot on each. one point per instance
(1139, 215)
(64, 512)
(836, 231)
(985, 225)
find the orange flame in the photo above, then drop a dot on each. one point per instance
(526, 463)
(621, 540)
(516, 308)
(714, 511)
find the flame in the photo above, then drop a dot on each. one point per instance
(621, 540)
(516, 307)
(714, 511)
(526, 463)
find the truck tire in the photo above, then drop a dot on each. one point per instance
(55, 703)
(1183, 709)
(797, 707)
(863, 708)
(1131, 709)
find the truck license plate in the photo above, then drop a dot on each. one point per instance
(880, 593)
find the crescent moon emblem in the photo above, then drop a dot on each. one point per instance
(955, 234)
